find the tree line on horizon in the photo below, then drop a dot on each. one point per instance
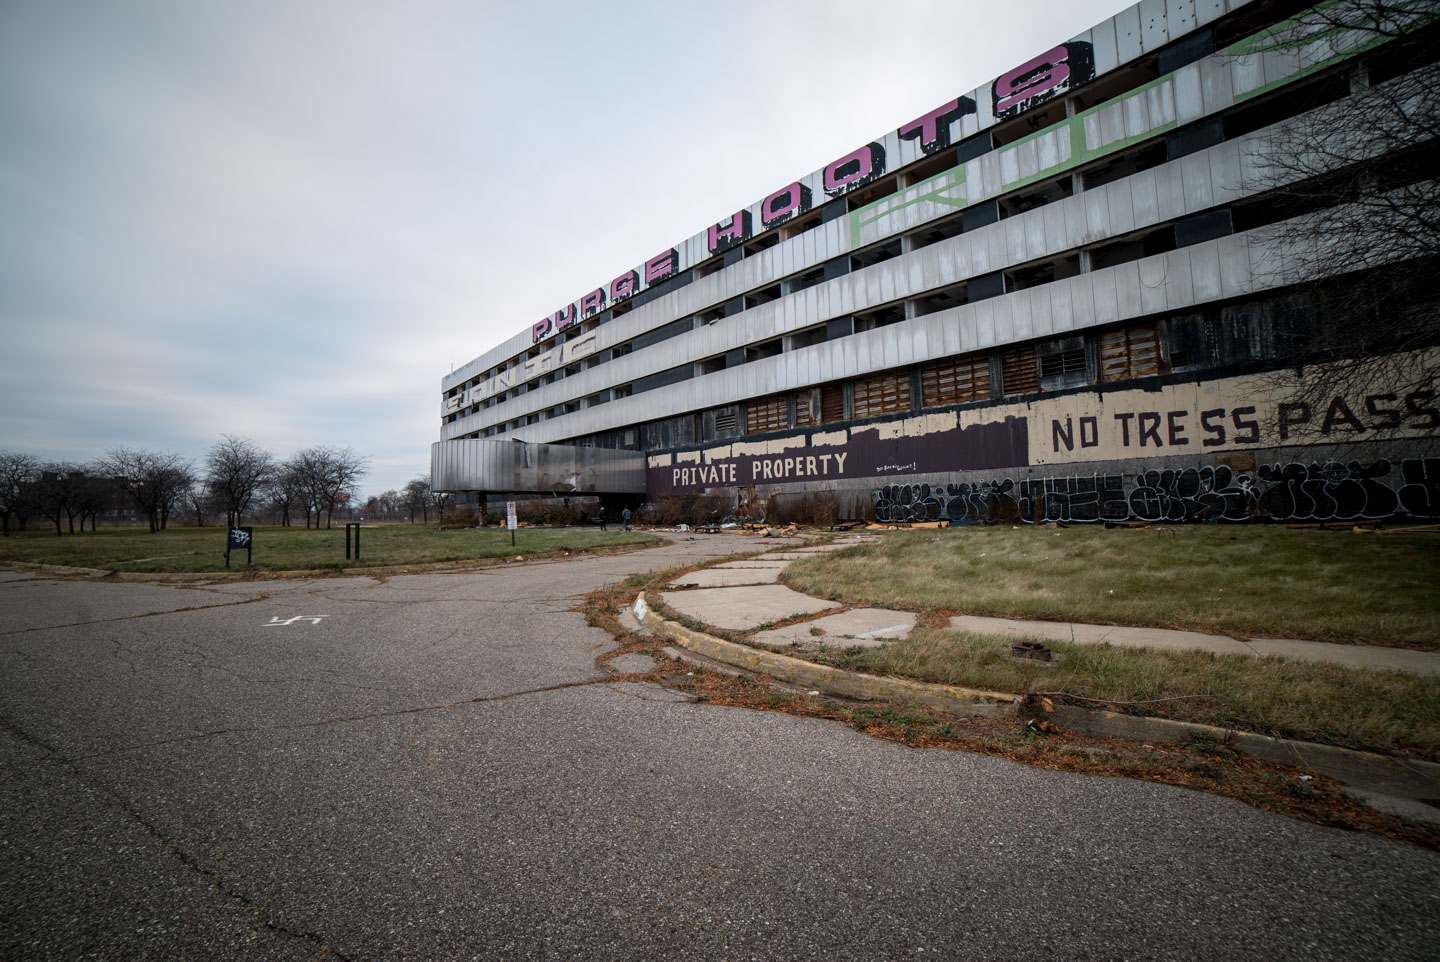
(236, 478)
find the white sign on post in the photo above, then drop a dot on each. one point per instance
(510, 515)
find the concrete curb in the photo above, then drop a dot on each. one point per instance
(1403, 777)
(1380, 774)
(950, 698)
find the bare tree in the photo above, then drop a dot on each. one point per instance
(1355, 183)
(16, 470)
(52, 493)
(328, 476)
(236, 469)
(155, 480)
(441, 501)
(286, 490)
(204, 500)
(417, 497)
(98, 493)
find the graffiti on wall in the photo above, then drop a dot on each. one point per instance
(1049, 75)
(862, 452)
(1052, 74)
(1295, 491)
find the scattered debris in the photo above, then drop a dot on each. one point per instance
(1034, 650)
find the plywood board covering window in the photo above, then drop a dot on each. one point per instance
(832, 403)
(956, 381)
(1019, 373)
(885, 394)
(771, 414)
(1130, 352)
(804, 409)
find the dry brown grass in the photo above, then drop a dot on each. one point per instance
(1378, 711)
(1248, 580)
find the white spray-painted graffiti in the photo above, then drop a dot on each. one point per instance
(1317, 491)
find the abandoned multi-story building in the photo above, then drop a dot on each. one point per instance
(1056, 297)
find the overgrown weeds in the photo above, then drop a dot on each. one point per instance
(1255, 580)
(1379, 711)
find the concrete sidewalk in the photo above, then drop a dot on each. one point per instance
(742, 596)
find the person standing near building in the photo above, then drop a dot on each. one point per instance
(625, 516)
(602, 517)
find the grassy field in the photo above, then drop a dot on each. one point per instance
(1255, 580)
(289, 549)
(1261, 581)
(1378, 711)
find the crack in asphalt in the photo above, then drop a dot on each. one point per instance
(147, 614)
(347, 719)
(189, 862)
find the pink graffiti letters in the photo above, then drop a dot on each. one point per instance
(784, 204)
(727, 233)
(933, 129)
(661, 266)
(855, 169)
(624, 286)
(1054, 72)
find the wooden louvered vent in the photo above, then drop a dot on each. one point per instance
(1130, 352)
(1019, 372)
(804, 409)
(882, 395)
(771, 414)
(956, 381)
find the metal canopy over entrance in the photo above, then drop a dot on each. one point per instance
(525, 468)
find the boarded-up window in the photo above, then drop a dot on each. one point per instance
(804, 409)
(832, 403)
(882, 395)
(771, 414)
(1130, 352)
(1019, 374)
(956, 381)
(719, 423)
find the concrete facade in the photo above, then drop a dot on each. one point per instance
(1050, 298)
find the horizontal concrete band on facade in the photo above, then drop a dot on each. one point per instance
(516, 466)
(1199, 181)
(1176, 449)
(1138, 31)
(1404, 777)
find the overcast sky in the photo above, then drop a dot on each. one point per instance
(288, 220)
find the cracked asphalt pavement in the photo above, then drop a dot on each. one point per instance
(434, 767)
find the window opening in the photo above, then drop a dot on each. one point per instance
(832, 403)
(941, 300)
(1039, 195)
(762, 296)
(760, 351)
(951, 226)
(875, 255)
(955, 381)
(1019, 374)
(805, 409)
(884, 317)
(771, 414)
(1130, 352)
(884, 394)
